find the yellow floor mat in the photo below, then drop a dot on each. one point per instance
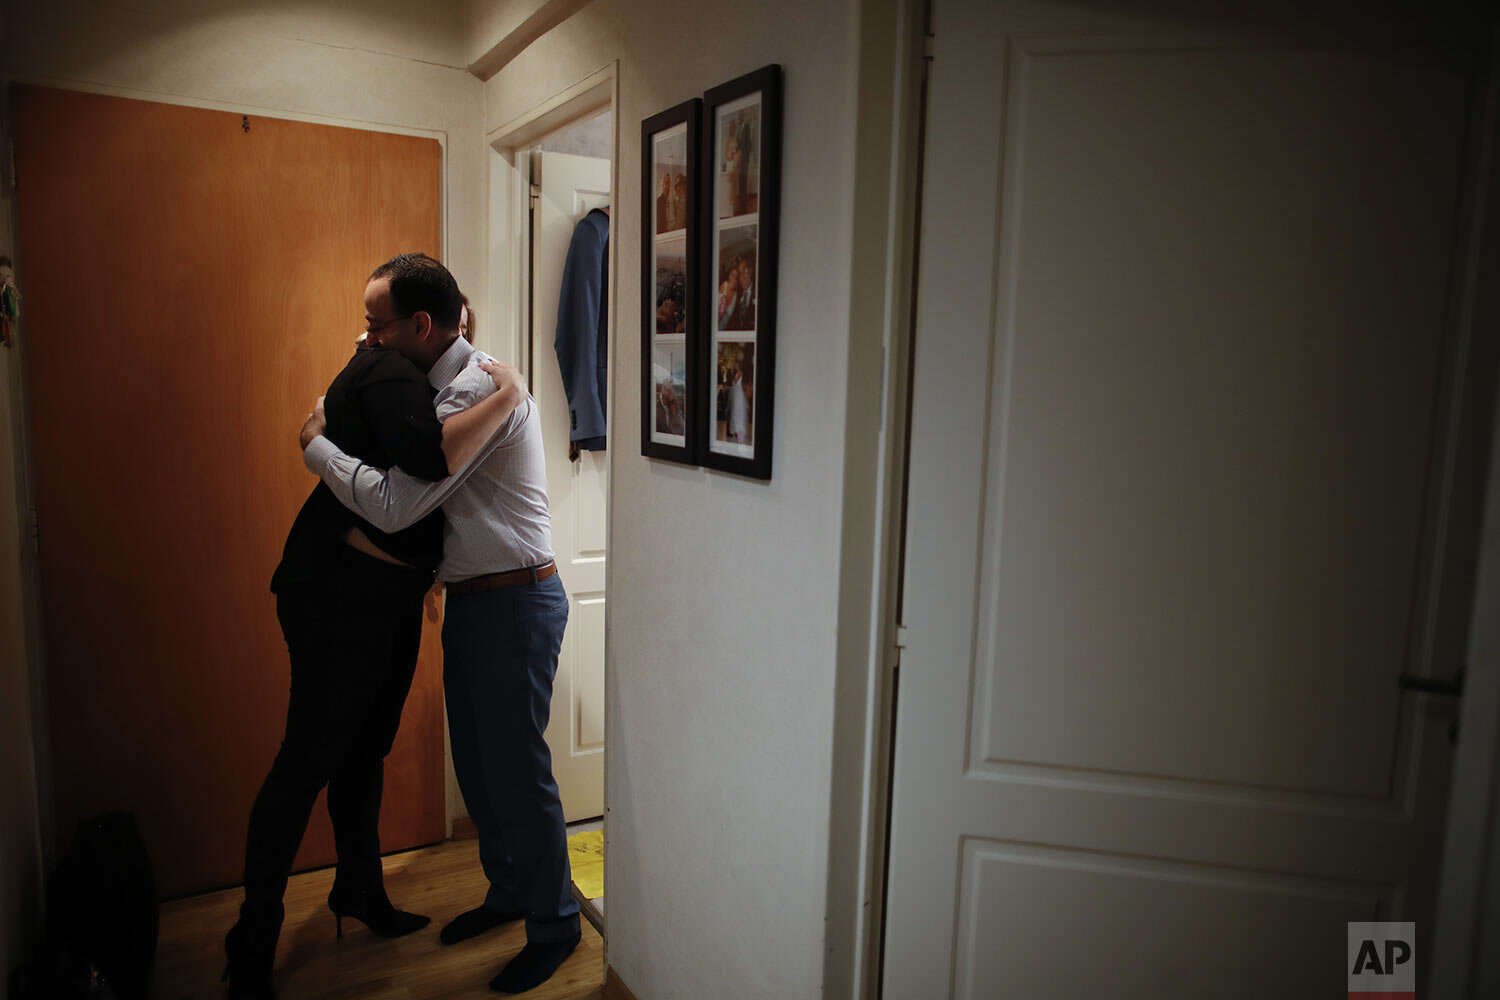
(586, 856)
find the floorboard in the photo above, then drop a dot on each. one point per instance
(441, 881)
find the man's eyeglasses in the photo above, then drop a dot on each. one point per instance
(373, 328)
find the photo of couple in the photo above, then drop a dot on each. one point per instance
(670, 180)
(738, 154)
(735, 303)
(669, 374)
(734, 419)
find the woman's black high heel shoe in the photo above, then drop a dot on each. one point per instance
(248, 971)
(373, 908)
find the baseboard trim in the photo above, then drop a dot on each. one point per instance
(614, 987)
(464, 829)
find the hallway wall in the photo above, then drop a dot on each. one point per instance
(723, 595)
(20, 847)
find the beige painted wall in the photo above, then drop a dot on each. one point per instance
(723, 591)
(496, 30)
(20, 861)
(389, 27)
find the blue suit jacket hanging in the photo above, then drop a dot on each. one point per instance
(582, 319)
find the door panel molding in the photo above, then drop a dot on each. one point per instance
(1249, 906)
(1146, 471)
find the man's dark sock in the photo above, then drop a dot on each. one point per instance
(534, 965)
(472, 923)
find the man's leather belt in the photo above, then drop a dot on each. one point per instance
(494, 581)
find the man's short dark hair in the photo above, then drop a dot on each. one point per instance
(421, 284)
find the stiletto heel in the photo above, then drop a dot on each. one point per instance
(225, 977)
(373, 908)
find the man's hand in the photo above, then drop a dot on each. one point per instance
(315, 424)
(504, 375)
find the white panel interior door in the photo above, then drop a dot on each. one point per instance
(571, 187)
(1179, 338)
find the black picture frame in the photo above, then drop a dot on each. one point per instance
(670, 256)
(740, 213)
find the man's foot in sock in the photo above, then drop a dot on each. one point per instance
(472, 923)
(534, 965)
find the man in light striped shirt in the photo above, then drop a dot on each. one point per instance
(503, 626)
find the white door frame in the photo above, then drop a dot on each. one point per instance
(883, 256)
(1469, 889)
(508, 260)
(885, 253)
(507, 269)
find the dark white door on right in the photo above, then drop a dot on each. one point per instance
(1179, 360)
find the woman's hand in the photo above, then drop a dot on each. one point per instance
(504, 375)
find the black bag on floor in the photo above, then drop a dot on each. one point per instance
(60, 972)
(101, 907)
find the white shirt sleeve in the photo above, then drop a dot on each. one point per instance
(391, 499)
(471, 386)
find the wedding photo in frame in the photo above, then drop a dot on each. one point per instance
(670, 256)
(741, 202)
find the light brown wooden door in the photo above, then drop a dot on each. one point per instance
(193, 281)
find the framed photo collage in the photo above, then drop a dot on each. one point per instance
(710, 212)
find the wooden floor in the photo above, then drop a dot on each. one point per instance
(440, 881)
